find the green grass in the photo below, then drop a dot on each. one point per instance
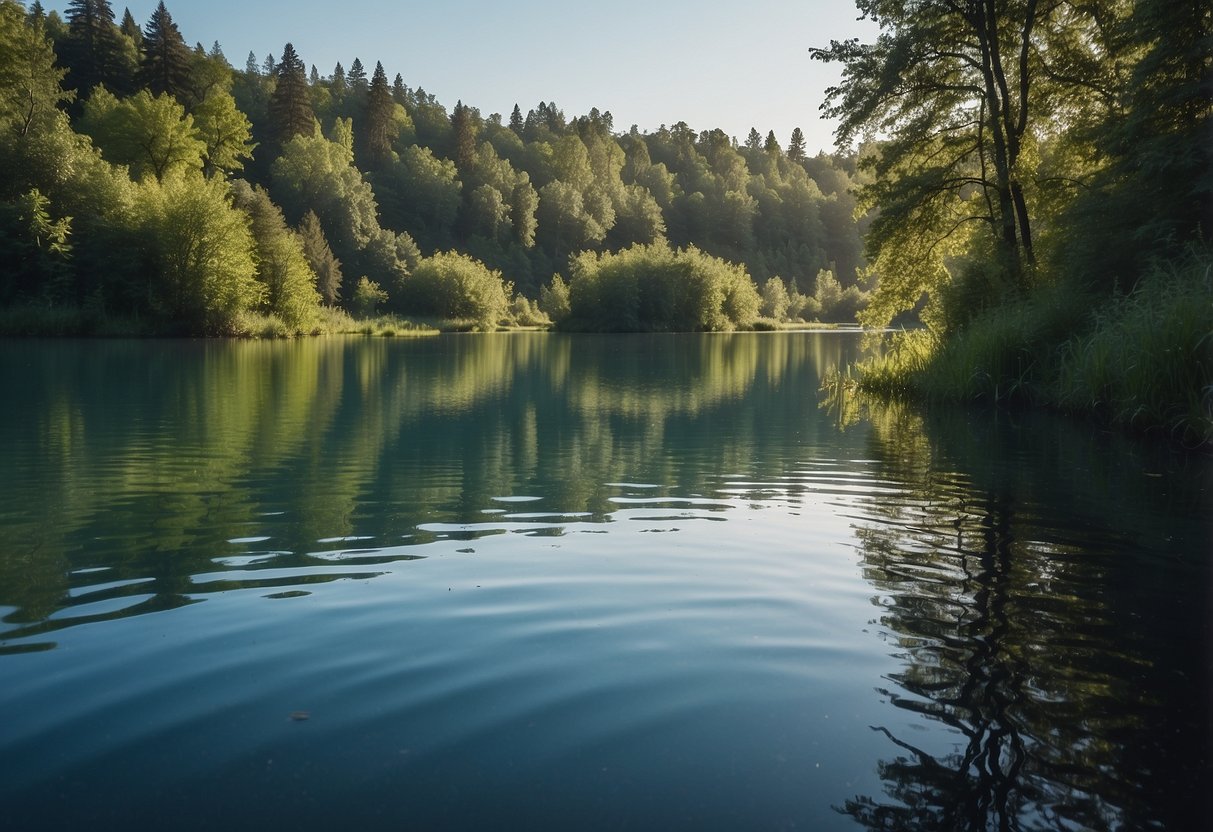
(1142, 361)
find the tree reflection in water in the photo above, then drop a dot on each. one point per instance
(1071, 674)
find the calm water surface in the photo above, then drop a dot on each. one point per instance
(546, 582)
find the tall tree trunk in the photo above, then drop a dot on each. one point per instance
(985, 29)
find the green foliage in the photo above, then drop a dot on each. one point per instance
(453, 285)
(95, 52)
(318, 174)
(1152, 189)
(290, 106)
(199, 256)
(420, 192)
(775, 301)
(30, 90)
(224, 131)
(656, 288)
(367, 298)
(282, 268)
(320, 258)
(396, 170)
(1148, 360)
(166, 65)
(150, 135)
(1142, 360)
(380, 126)
(34, 251)
(554, 299)
(833, 303)
(526, 312)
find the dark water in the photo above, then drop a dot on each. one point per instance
(545, 582)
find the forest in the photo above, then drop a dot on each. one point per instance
(151, 187)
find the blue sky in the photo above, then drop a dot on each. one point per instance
(649, 63)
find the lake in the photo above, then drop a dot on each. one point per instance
(529, 581)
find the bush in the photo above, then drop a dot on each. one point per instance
(454, 286)
(1148, 361)
(654, 288)
(554, 299)
(526, 312)
(775, 300)
(367, 297)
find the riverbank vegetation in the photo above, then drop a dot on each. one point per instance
(1042, 179)
(150, 187)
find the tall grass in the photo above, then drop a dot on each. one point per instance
(1142, 360)
(1148, 360)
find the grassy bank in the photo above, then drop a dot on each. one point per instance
(66, 321)
(1142, 360)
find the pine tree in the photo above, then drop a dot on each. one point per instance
(516, 123)
(131, 29)
(37, 14)
(93, 50)
(772, 144)
(267, 68)
(463, 138)
(400, 93)
(378, 124)
(250, 65)
(166, 58)
(754, 140)
(796, 146)
(290, 105)
(314, 77)
(338, 85)
(357, 76)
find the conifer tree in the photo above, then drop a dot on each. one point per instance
(516, 122)
(166, 58)
(93, 50)
(320, 257)
(131, 29)
(378, 124)
(754, 140)
(290, 104)
(400, 93)
(313, 77)
(339, 81)
(268, 67)
(463, 138)
(356, 78)
(250, 65)
(772, 144)
(796, 150)
(37, 14)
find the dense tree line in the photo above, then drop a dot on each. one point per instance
(156, 181)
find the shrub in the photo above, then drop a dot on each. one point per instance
(367, 297)
(654, 288)
(455, 286)
(775, 300)
(554, 299)
(526, 312)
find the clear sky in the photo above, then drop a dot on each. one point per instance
(650, 62)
